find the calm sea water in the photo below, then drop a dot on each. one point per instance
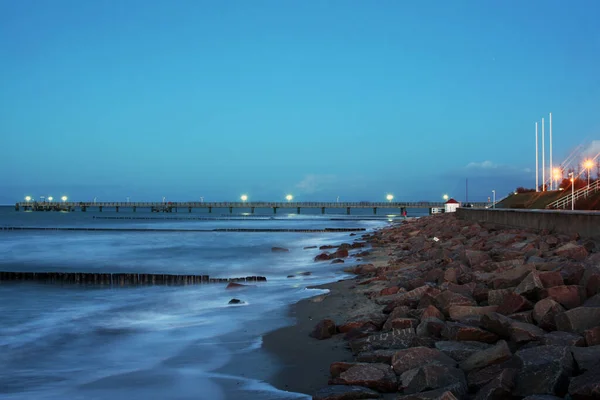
(59, 342)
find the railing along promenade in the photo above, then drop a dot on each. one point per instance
(175, 206)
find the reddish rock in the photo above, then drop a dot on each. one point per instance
(361, 332)
(578, 319)
(570, 296)
(592, 336)
(521, 332)
(350, 325)
(378, 377)
(451, 275)
(572, 274)
(323, 330)
(461, 312)
(446, 299)
(544, 370)
(499, 387)
(496, 297)
(327, 247)
(497, 323)
(343, 392)
(398, 339)
(523, 316)
(530, 286)
(337, 261)
(551, 279)
(403, 323)
(466, 289)
(340, 253)
(377, 356)
(416, 357)
(389, 290)
(426, 301)
(233, 285)
(432, 312)
(323, 257)
(544, 313)
(460, 351)
(586, 386)
(461, 332)
(279, 250)
(476, 258)
(513, 303)
(511, 277)
(573, 251)
(434, 376)
(493, 355)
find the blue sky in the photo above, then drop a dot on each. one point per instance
(320, 99)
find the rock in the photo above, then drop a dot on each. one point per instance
(307, 273)
(378, 377)
(513, 303)
(279, 250)
(460, 351)
(569, 296)
(523, 316)
(586, 386)
(559, 338)
(511, 277)
(337, 261)
(551, 279)
(459, 331)
(461, 312)
(493, 355)
(433, 376)
(451, 275)
(403, 323)
(496, 297)
(350, 325)
(446, 299)
(343, 392)
(340, 253)
(323, 257)
(233, 285)
(432, 312)
(361, 332)
(235, 301)
(310, 247)
(530, 286)
(578, 319)
(478, 378)
(497, 323)
(593, 301)
(416, 357)
(323, 330)
(591, 280)
(476, 258)
(573, 251)
(542, 397)
(521, 332)
(544, 370)
(587, 358)
(592, 336)
(431, 327)
(544, 313)
(572, 274)
(499, 387)
(377, 356)
(396, 339)
(388, 290)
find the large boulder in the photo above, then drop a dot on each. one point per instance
(497, 323)
(551, 278)
(376, 356)
(460, 351)
(531, 286)
(434, 376)
(578, 319)
(587, 358)
(513, 303)
(323, 330)
(447, 299)
(569, 296)
(559, 338)
(521, 332)
(592, 336)
(396, 339)
(431, 327)
(459, 331)
(573, 251)
(416, 357)
(461, 312)
(586, 386)
(493, 355)
(343, 392)
(500, 387)
(544, 313)
(544, 370)
(476, 258)
(378, 377)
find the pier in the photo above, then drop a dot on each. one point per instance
(170, 207)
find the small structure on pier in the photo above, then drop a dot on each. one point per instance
(451, 205)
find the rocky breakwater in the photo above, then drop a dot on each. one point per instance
(465, 311)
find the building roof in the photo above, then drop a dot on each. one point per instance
(452, 201)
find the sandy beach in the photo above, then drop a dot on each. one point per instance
(448, 309)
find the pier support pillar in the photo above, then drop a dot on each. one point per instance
(189, 209)
(16, 206)
(274, 210)
(322, 210)
(209, 210)
(348, 210)
(375, 210)
(100, 208)
(298, 211)
(134, 208)
(252, 210)
(83, 208)
(117, 207)
(230, 210)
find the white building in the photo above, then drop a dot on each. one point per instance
(451, 205)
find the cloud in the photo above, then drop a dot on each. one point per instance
(313, 183)
(483, 164)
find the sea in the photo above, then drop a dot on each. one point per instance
(68, 341)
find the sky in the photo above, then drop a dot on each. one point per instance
(188, 99)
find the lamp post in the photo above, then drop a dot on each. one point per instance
(95, 200)
(557, 174)
(289, 197)
(244, 198)
(572, 191)
(164, 199)
(127, 199)
(338, 199)
(64, 199)
(588, 164)
(445, 197)
(390, 197)
(493, 199)
(28, 199)
(50, 198)
(201, 199)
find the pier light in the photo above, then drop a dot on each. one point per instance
(64, 198)
(588, 164)
(244, 198)
(28, 198)
(289, 197)
(445, 197)
(390, 197)
(50, 198)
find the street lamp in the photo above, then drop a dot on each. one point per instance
(95, 200)
(201, 199)
(289, 197)
(588, 164)
(557, 174)
(64, 198)
(28, 198)
(244, 198)
(572, 190)
(128, 199)
(338, 199)
(164, 198)
(493, 199)
(50, 198)
(445, 197)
